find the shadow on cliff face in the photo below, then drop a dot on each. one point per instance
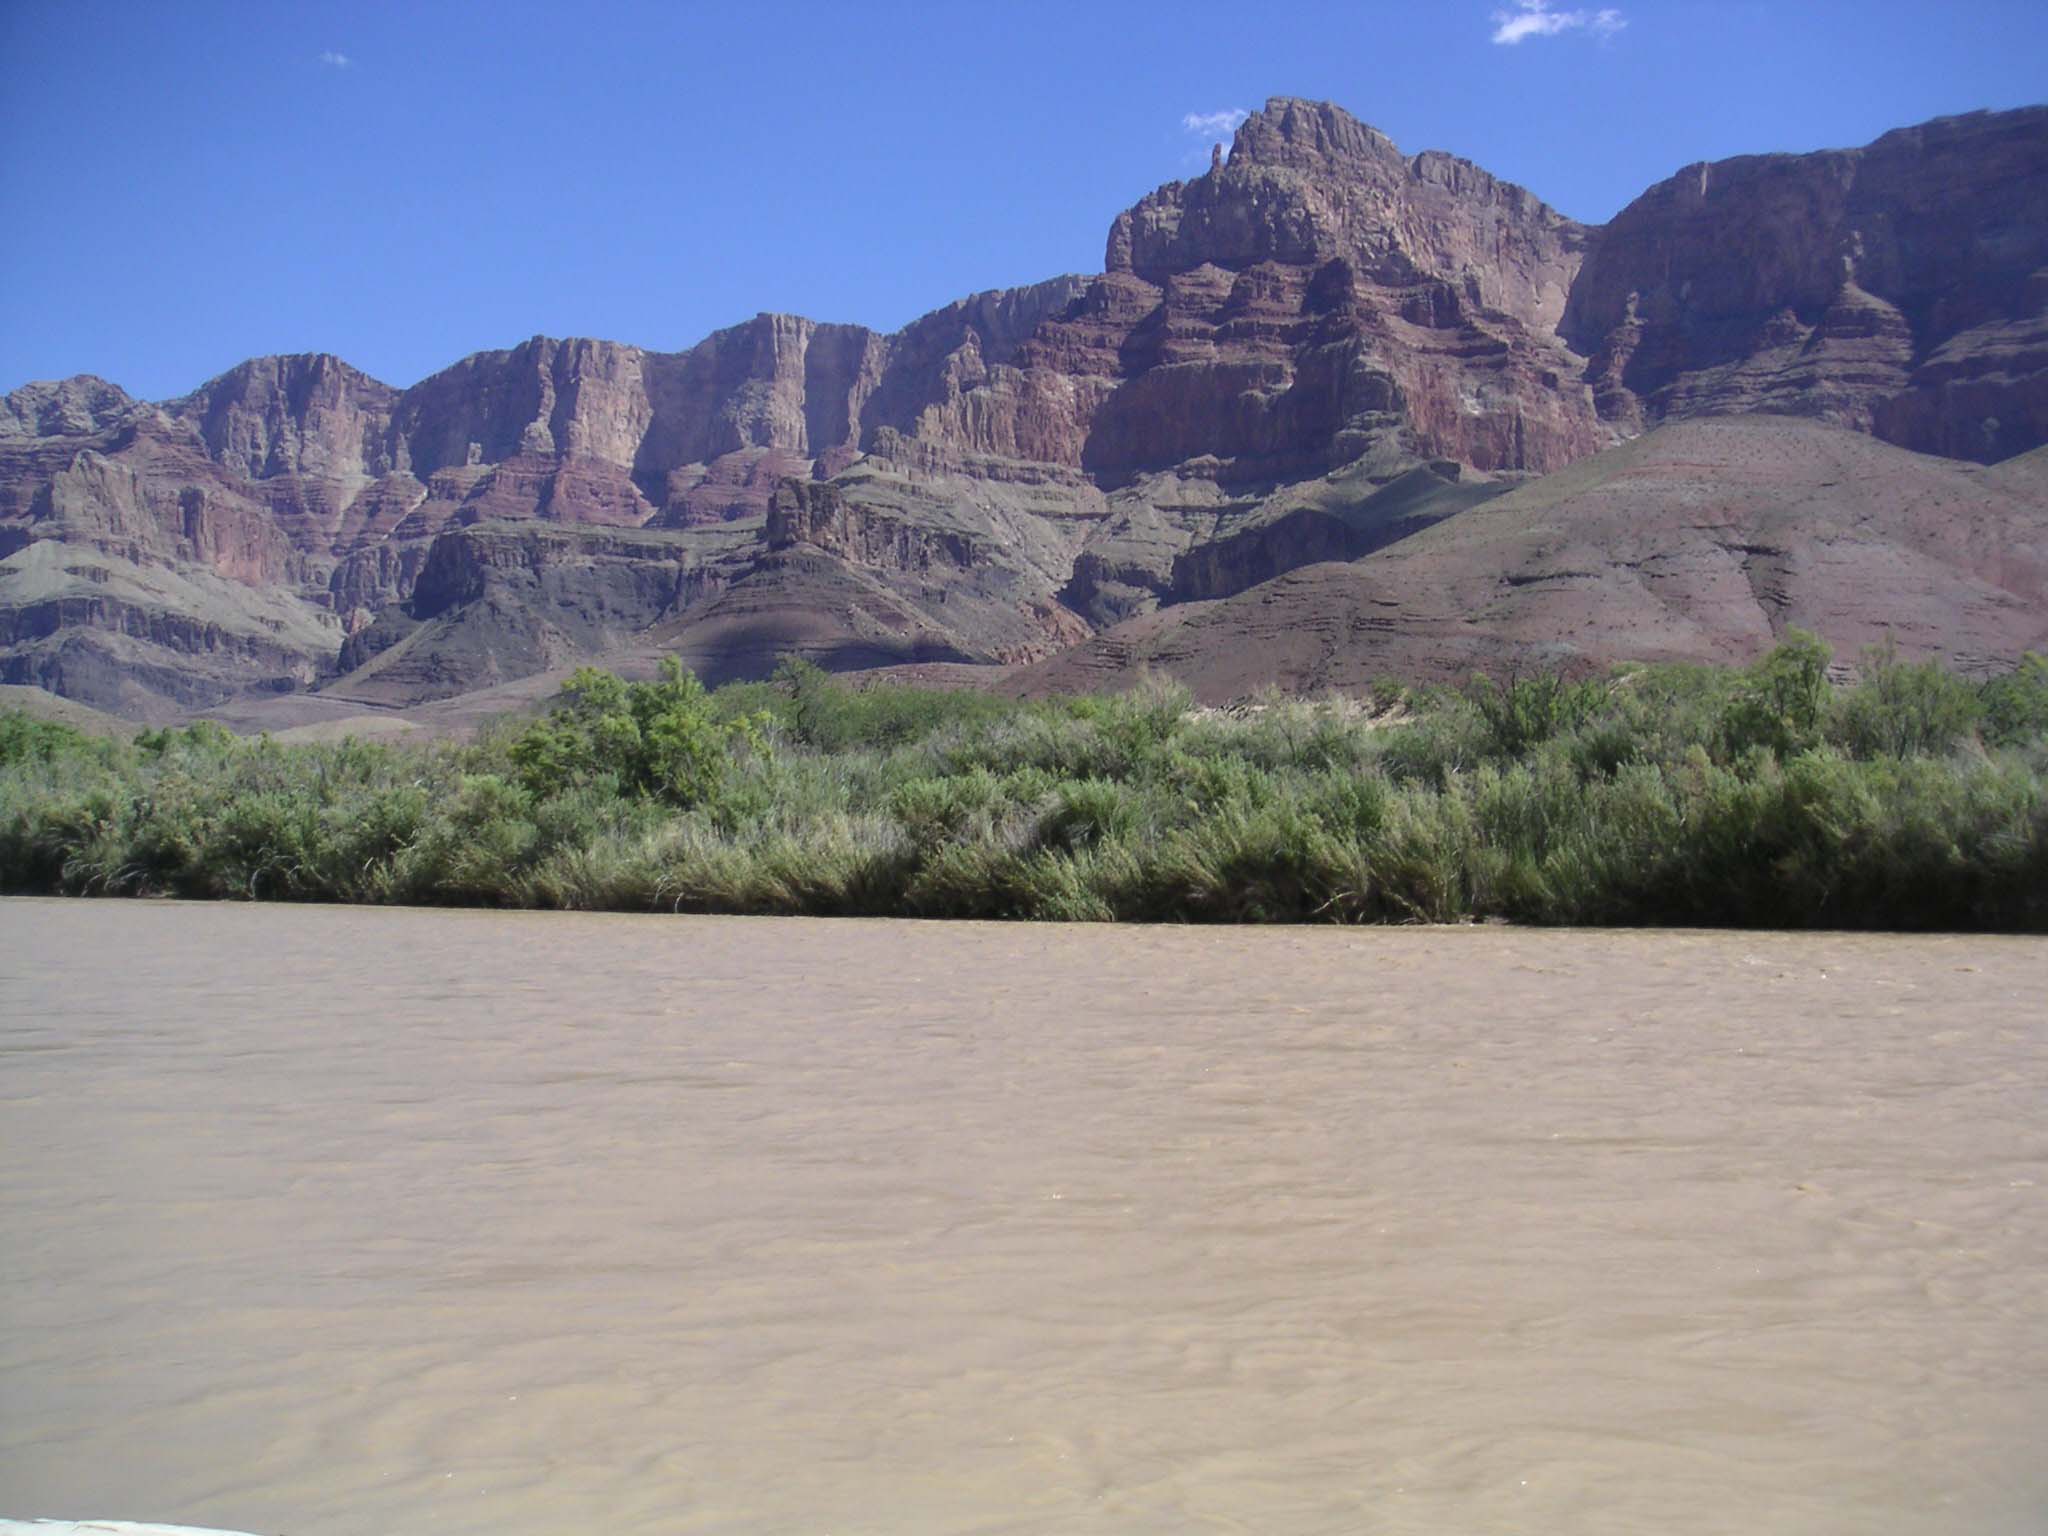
(750, 653)
(1009, 470)
(1346, 521)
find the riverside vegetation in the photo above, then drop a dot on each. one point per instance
(1763, 796)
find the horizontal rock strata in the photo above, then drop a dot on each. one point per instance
(1321, 350)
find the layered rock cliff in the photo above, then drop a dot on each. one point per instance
(1316, 349)
(1901, 288)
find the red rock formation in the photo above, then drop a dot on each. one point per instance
(75, 407)
(1902, 287)
(1270, 347)
(310, 415)
(1322, 297)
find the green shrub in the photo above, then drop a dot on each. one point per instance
(1528, 711)
(2014, 707)
(1241, 862)
(1904, 710)
(821, 712)
(476, 848)
(662, 739)
(1781, 702)
(1447, 738)
(24, 740)
(1660, 794)
(1085, 813)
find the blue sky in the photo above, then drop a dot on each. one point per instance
(185, 185)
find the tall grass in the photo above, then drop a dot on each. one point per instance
(1762, 796)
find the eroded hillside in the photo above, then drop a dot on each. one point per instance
(1323, 350)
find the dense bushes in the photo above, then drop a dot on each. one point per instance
(1657, 795)
(659, 739)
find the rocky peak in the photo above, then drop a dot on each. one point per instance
(75, 407)
(308, 413)
(1311, 136)
(1307, 183)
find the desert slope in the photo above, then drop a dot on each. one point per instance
(1700, 541)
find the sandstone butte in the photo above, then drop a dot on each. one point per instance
(1328, 411)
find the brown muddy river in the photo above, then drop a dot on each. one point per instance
(339, 1222)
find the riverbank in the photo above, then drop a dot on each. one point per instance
(1761, 797)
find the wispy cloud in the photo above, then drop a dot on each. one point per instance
(1535, 18)
(335, 60)
(1214, 125)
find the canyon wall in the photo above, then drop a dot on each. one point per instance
(1270, 349)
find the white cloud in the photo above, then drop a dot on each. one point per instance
(1214, 125)
(335, 60)
(1535, 18)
